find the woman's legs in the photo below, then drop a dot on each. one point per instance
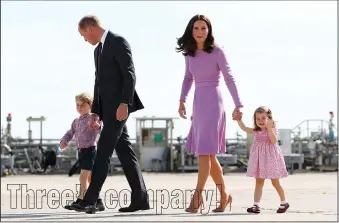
(204, 171)
(217, 176)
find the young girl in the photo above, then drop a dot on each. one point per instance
(266, 160)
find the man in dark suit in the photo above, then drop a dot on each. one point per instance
(114, 99)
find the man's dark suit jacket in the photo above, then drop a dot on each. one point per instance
(114, 78)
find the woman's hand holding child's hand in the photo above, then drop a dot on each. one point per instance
(237, 115)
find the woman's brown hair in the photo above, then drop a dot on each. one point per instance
(187, 44)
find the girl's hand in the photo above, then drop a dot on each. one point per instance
(270, 124)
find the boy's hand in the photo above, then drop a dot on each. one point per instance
(63, 145)
(93, 121)
(96, 125)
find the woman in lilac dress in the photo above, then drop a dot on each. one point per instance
(204, 61)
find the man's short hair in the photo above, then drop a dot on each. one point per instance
(89, 20)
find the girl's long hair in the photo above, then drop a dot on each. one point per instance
(261, 109)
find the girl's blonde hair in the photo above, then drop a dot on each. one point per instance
(261, 109)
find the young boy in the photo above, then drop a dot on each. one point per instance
(85, 138)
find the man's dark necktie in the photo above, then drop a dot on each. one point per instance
(99, 53)
(98, 67)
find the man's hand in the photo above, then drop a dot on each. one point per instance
(122, 112)
(63, 145)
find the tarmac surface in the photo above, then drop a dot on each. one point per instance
(312, 197)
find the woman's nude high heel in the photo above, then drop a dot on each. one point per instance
(192, 208)
(221, 208)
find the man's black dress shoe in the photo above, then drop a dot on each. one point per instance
(80, 207)
(100, 205)
(69, 207)
(83, 206)
(136, 207)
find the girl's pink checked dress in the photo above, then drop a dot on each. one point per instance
(266, 160)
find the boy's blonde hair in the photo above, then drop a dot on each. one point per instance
(84, 97)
